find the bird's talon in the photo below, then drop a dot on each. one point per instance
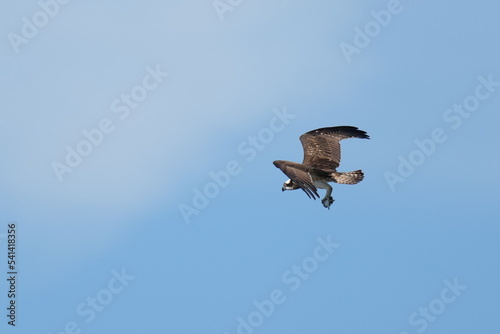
(327, 202)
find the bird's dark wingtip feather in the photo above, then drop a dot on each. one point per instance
(346, 129)
(310, 193)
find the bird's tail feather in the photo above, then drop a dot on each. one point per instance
(348, 177)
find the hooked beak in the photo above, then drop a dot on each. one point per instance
(283, 189)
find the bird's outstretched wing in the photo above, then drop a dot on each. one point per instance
(298, 173)
(322, 146)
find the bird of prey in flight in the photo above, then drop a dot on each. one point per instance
(321, 159)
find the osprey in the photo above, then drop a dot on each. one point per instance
(321, 159)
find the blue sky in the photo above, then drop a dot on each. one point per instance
(157, 99)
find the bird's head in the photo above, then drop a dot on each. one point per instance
(289, 185)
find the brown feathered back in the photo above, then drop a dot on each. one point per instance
(322, 146)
